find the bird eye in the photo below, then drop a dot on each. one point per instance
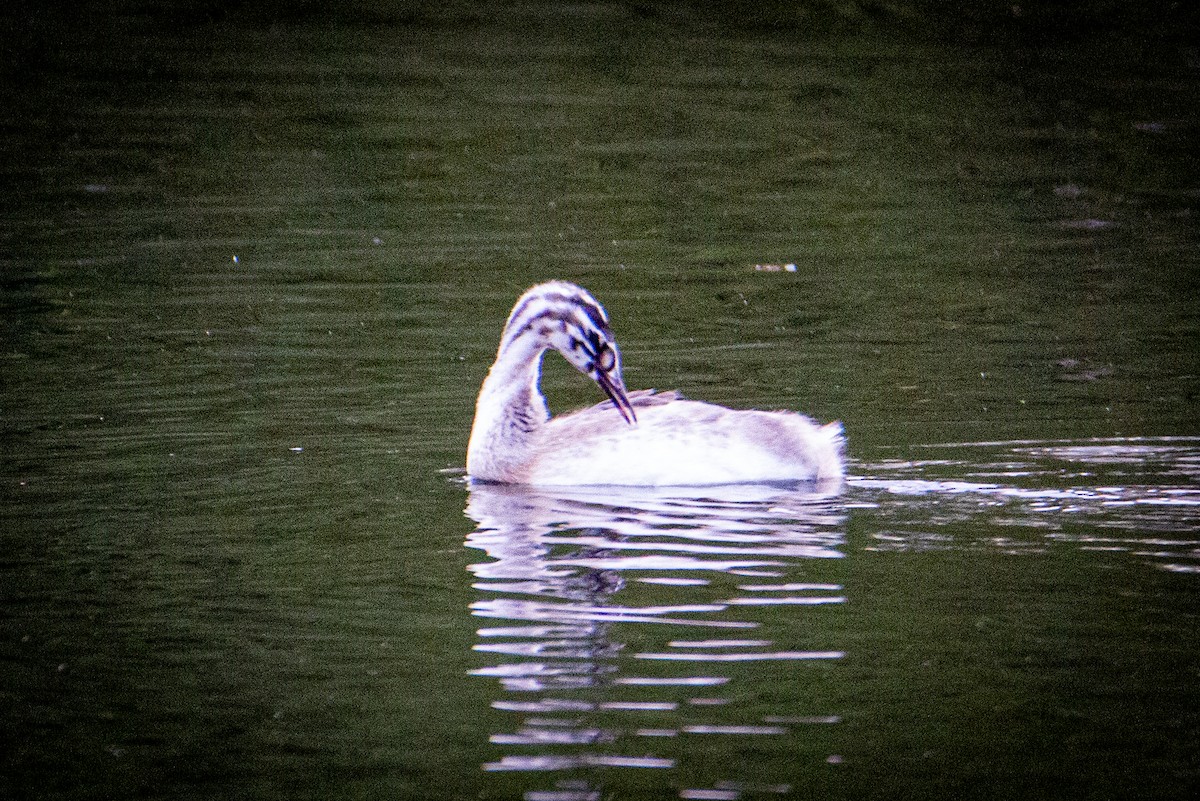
(606, 358)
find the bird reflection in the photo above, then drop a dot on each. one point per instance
(573, 575)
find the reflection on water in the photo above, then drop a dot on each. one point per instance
(578, 576)
(233, 230)
(623, 631)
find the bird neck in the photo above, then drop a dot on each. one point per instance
(508, 412)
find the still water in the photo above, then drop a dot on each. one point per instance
(255, 265)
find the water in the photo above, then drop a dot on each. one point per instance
(255, 264)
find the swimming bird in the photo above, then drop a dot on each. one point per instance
(641, 438)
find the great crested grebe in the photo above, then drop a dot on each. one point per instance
(642, 438)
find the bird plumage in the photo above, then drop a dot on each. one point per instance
(641, 438)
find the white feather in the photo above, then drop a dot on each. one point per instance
(674, 442)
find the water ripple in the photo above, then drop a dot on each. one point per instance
(1140, 496)
(558, 562)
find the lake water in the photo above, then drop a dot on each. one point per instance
(255, 266)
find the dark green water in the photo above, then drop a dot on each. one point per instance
(255, 263)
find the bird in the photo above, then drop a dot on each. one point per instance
(642, 438)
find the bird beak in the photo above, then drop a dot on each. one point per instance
(615, 390)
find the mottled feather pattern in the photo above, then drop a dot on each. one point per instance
(643, 438)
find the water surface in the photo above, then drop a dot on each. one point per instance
(255, 265)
